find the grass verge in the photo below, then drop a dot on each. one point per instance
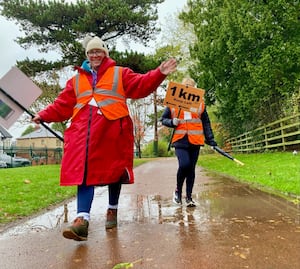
(27, 190)
(279, 171)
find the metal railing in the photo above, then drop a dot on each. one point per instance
(37, 156)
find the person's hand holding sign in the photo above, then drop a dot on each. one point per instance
(175, 121)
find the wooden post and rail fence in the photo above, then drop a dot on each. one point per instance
(283, 134)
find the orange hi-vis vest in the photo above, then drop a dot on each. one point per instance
(108, 93)
(192, 127)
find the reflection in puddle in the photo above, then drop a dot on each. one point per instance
(49, 220)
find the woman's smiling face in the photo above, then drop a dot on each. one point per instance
(95, 57)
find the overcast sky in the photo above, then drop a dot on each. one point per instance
(12, 52)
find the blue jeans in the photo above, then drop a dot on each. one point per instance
(85, 196)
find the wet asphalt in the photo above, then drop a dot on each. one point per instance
(233, 226)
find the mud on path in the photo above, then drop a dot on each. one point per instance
(233, 226)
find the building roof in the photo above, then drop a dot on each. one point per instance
(4, 133)
(40, 133)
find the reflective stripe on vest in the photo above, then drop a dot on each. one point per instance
(191, 127)
(108, 93)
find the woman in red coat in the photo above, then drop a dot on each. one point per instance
(98, 144)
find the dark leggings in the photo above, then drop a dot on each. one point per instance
(85, 196)
(187, 160)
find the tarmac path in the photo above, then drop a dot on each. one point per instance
(233, 226)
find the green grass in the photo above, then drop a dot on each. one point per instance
(279, 171)
(27, 190)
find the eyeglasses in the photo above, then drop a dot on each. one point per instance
(95, 52)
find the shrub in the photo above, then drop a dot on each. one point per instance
(148, 150)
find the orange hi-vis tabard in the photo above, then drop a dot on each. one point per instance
(108, 93)
(192, 127)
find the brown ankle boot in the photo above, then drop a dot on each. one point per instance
(78, 230)
(111, 218)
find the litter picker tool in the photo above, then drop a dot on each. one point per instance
(222, 152)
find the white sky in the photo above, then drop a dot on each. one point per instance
(12, 52)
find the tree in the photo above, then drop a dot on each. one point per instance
(61, 25)
(28, 130)
(138, 111)
(176, 40)
(247, 57)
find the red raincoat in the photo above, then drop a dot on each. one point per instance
(101, 148)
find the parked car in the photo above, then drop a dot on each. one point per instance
(3, 164)
(20, 162)
(14, 161)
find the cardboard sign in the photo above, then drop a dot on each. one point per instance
(184, 97)
(21, 89)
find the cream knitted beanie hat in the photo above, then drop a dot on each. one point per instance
(90, 43)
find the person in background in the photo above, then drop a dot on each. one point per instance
(192, 130)
(98, 144)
